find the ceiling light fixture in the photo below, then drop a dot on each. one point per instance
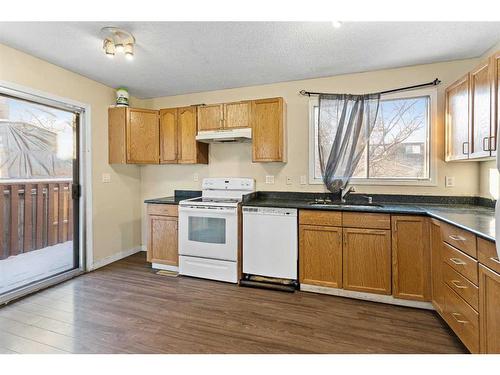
(118, 40)
(336, 24)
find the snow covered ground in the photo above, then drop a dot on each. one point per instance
(25, 268)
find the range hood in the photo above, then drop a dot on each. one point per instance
(225, 136)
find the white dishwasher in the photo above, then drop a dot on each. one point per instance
(270, 242)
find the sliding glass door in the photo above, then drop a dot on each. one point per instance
(39, 192)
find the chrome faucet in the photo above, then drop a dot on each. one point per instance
(345, 192)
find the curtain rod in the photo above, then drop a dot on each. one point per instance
(433, 83)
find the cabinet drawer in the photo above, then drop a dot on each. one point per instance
(460, 262)
(459, 238)
(487, 254)
(162, 209)
(463, 287)
(366, 220)
(315, 217)
(463, 319)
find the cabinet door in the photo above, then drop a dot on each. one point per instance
(411, 265)
(320, 254)
(437, 266)
(480, 90)
(457, 120)
(168, 135)
(489, 311)
(367, 260)
(143, 137)
(210, 117)
(189, 151)
(495, 102)
(268, 130)
(237, 115)
(162, 240)
(117, 138)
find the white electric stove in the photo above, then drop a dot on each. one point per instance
(208, 229)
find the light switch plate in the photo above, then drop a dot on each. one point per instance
(196, 177)
(289, 180)
(106, 178)
(269, 179)
(449, 181)
(303, 180)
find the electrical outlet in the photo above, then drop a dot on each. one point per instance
(196, 177)
(269, 179)
(289, 180)
(449, 181)
(303, 180)
(106, 178)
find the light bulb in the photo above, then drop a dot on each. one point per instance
(109, 48)
(129, 51)
(119, 48)
(336, 24)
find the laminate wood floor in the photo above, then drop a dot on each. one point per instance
(126, 308)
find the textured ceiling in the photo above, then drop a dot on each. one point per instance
(184, 57)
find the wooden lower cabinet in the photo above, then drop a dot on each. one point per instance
(162, 235)
(367, 260)
(436, 244)
(489, 310)
(320, 255)
(411, 263)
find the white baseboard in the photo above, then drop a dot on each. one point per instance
(366, 296)
(113, 258)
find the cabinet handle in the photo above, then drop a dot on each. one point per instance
(454, 315)
(486, 142)
(493, 143)
(464, 144)
(456, 237)
(458, 261)
(457, 284)
(495, 259)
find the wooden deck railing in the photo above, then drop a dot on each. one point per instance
(34, 215)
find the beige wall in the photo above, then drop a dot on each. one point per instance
(235, 159)
(116, 206)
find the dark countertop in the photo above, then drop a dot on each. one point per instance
(474, 218)
(179, 195)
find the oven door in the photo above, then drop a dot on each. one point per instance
(208, 232)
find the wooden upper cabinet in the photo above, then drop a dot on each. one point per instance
(320, 255)
(210, 117)
(168, 135)
(189, 150)
(143, 137)
(237, 115)
(367, 260)
(489, 311)
(457, 120)
(437, 282)
(411, 263)
(133, 136)
(480, 104)
(268, 130)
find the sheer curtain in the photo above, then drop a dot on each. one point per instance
(344, 127)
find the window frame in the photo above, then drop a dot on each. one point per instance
(431, 134)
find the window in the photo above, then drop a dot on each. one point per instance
(399, 150)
